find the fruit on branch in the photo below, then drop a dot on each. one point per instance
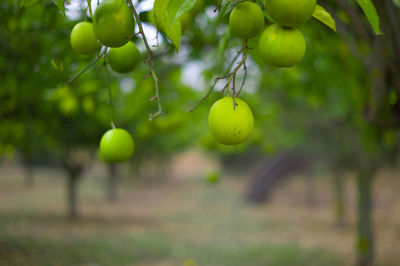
(83, 39)
(246, 20)
(290, 13)
(281, 46)
(124, 59)
(113, 23)
(230, 125)
(117, 145)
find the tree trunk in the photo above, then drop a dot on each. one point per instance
(72, 196)
(112, 183)
(73, 163)
(338, 198)
(365, 241)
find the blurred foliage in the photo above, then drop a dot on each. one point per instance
(315, 107)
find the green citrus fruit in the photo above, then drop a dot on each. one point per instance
(124, 59)
(83, 39)
(230, 125)
(246, 20)
(117, 145)
(281, 46)
(113, 23)
(290, 13)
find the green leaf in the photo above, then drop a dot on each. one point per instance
(226, 9)
(179, 7)
(174, 33)
(167, 13)
(89, 3)
(370, 12)
(60, 5)
(322, 15)
(27, 3)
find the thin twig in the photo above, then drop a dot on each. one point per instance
(208, 93)
(244, 79)
(149, 62)
(110, 102)
(232, 75)
(225, 76)
(234, 90)
(81, 72)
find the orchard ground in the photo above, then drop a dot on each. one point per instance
(182, 220)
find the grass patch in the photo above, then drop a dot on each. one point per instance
(150, 248)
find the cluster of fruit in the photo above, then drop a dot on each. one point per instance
(280, 45)
(230, 119)
(113, 26)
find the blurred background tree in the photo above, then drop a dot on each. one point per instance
(339, 108)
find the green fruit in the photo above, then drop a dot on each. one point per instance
(213, 177)
(290, 13)
(117, 146)
(83, 39)
(69, 105)
(246, 20)
(230, 125)
(113, 23)
(124, 59)
(281, 46)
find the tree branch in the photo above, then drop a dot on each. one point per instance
(149, 62)
(110, 102)
(208, 92)
(81, 72)
(225, 76)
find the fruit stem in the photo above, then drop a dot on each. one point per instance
(149, 62)
(244, 67)
(208, 92)
(110, 103)
(232, 75)
(225, 76)
(81, 72)
(218, 7)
